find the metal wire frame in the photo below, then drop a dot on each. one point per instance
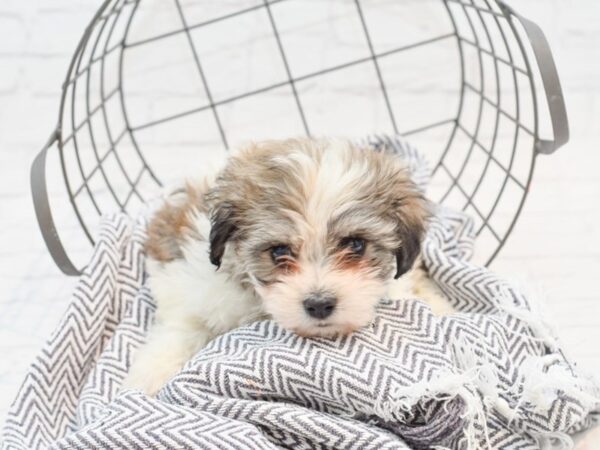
(474, 137)
(103, 26)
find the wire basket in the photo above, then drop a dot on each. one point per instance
(157, 87)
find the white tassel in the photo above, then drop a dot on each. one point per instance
(554, 441)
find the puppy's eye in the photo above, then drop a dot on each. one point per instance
(280, 251)
(354, 244)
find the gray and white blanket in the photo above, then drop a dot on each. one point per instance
(489, 376)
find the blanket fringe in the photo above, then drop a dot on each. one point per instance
(444, 386)
(554, 441)
(544, 379)
(530, 312)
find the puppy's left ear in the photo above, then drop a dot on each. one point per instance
(223, 227)
(408, 252)
(413, 212)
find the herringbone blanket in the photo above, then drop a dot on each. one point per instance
(490, 376)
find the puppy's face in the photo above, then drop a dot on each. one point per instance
(318, 228)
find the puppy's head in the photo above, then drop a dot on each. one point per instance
(318, 228)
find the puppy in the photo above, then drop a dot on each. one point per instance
(308, 232)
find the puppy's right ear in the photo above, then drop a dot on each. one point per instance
(222, 229)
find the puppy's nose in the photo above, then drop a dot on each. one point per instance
(320, 306)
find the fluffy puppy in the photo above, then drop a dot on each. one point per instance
(308, 232)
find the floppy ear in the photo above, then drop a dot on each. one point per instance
(412, 216)
(408, 252)
(222, 229)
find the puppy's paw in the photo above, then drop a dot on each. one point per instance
(149, 380)
(439, 304)
(426, 290)
(149, 375)
(417, 283)
(148, 384)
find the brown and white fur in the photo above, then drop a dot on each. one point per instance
(309, 232)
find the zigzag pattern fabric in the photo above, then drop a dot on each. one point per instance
(490, 376)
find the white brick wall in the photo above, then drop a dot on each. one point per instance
(37, 38)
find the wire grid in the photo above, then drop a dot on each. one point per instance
(495, 93)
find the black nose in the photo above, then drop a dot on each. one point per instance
(320, 306)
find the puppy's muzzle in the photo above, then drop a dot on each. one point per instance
(320, 305)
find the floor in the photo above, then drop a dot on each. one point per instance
(554, 249)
